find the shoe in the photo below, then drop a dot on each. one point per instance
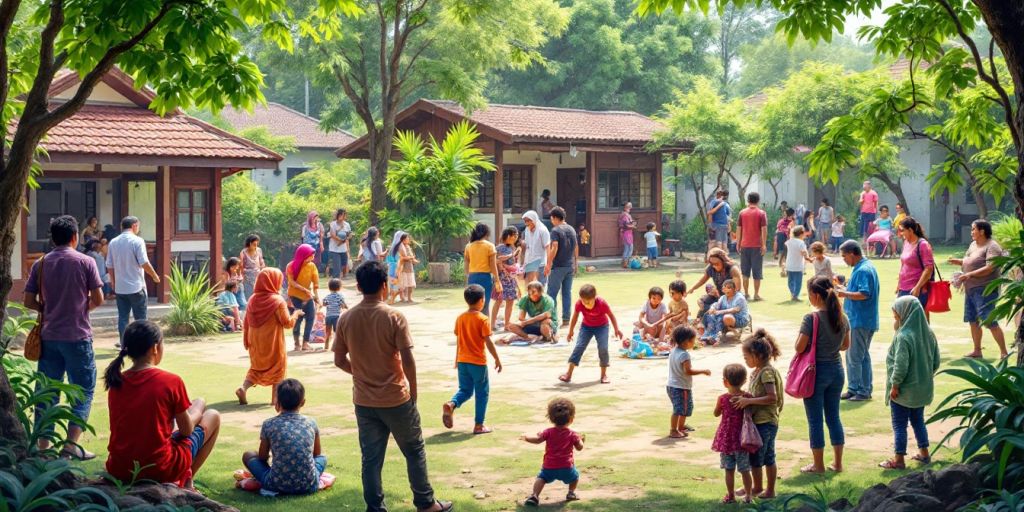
(532, 501)
(860, 398)
(846, 396)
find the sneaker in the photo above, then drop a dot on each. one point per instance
(846, 396)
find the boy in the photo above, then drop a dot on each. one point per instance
(334, 303)
(294, 441)
(781, 235)
(597, 316)
(678, 309)
(796, 261)
(229, 307)
(680, 380)
(472, 333)
(651, 237)
(560, 441)
(651, 314)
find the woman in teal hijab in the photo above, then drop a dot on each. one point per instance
(910, 373)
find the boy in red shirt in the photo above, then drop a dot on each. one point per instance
(596, 316)
(473, 333)
(558, 452)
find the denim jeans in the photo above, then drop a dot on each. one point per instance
(473, 380)
(796, 281)
(134, 303)
(858, 362)
(308, 309)
(586, 333)
(376, 425)
(261, 471)
(627, 251)
(76, 359)
(828, 385)
(338, 261)
(560, 280)
(486, 280)
(900, 416)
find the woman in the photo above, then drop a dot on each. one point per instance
(252, 264)
(313, 235)
(720, 268)
(92, 231)
(626, 227)
(979, 270)
(910, 370)
(917, 262)
(370, 247)
(392, 260)
(826, 215)
(546, 205)
(830, 333)
(406, 267)
(480, 258)
(730, 312)
(263, 335)
(303, 286)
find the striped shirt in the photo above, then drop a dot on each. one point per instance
(334, 302)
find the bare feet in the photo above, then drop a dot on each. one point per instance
(306, 347)
(481, 429)
(810, 468)
(605, 379)
(675, 434)
(240, 393)
(565, 377)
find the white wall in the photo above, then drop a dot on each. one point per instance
(547, 165)
(272, 183)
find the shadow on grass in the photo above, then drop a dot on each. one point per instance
(233, 406)
(449, 437)
(670, 441)
(810, 479)
(552, 500)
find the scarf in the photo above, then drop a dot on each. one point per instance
(913, 324)
(266, 297)
(302, 253)
(311, 220)
(532, 215)
(397, 239)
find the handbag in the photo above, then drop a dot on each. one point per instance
(750, 438)
(800, 379)
(34, 340)
(939, 293)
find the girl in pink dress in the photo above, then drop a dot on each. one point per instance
(727, 438)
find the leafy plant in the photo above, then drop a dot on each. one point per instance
(16, 325)
(819, 501)
(33, 389)
(1001, 501)
(458, 270)
(124, 487)
(37, 483)
(193, 309)
(1006, 230)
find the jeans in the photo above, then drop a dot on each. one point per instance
(627, 251)
(858, 362)
(261, 471)
(134, 303)
(339, 260)
(241, 298)
(376, 425)
(586, 333)
(487, 281)
(765, 456)
(865, 223)
(828, 385)
(900, 416)
(561, 280)
(308, 309)
(473, 380)
(76, 359)
(796, 281)
(836, 242)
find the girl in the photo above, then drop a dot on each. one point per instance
(263, 335)
(883, 224)
(822, 265)
(680, 380)
(507, 255)
(392, 261)
(313, 234)
(596, 317)
(651, 314)
(233, 273)
(810, 224)
(145, 403)
(781, 235)
(838, 233)
(370, 247)
(303, 288)
(765, 401)
(252, 264)
(406, 267)
(727, 437)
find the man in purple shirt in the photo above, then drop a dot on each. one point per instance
(71, 287)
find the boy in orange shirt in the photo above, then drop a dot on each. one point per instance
(473, 333)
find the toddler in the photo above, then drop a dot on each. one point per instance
(707, 300)
(651, 236)
(838, 229)
(558, 451)
(654, 310)
(472, 333)
(781, 235)
(333, 303)
(822, 265)
(228, 303)
(680, 380)
(507, 254)
(796, 260)
(294, 442)
(727, 438)
(596, 317)
(765, 402)
(233, 272)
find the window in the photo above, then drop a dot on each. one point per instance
(295, 171)
(616, 188)
(517, 186)
(191, 263)
(484, 195)
(191, 210)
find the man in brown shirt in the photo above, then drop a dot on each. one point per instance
(374, 345)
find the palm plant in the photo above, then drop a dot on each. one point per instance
(193, 308)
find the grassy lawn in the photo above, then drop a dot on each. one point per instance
(627, 464)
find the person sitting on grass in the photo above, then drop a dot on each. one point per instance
(729, 313)
(472, 333)
(678, 310)
(537, 320)
(596, 317)
(680, 380)
(228, 303)
(294, 442)
(651, 315)
(559, 463)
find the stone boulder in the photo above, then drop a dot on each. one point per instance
(142, 496)
(945, 490)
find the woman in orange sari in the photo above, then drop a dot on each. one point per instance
(263, 334)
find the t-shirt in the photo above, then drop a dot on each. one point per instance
(838, 229)
(760, 382)
(823, 268)
(291, 437)
(677, 376)
(333, 302)
(910, 263)
(653, 314)
(885, 224)
(373, 334)
(751, 220)
(719, 278)
(142, 415)
(783, 225)
(371, 251)
(652, 239)
(678, 306)
(68, 278)
(826, 214)
(721, 216)
(545, 305)
(559, 447)
(227, 300)
(126, 254)
(342, 231)
(537, 242)
(795, 248)
(870, 204)
(472, 329)
(308, 278)
(979, 257)
(101, 265)
(479, 255)
(829, 339)
(596, 316)
(863, 314)
(565, 236)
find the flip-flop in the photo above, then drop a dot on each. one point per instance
(922, 460)
(571, 496)
(891, 464)
(728, 499)
(240, 393)
(532, 501)
(447, 411)
(809, 469)
(76, 453)
(678, 435)
(564, 378)
(482, 430)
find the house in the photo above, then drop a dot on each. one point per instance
(313, 145)
(115, 157)
(592, 162)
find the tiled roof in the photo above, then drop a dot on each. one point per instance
(283, 121)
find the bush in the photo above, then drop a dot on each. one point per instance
(18, 322)
(193, 308)
(695, 236)
(457, 273)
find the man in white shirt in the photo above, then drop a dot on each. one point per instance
(337, 247)
(128, 264)
(537, 238)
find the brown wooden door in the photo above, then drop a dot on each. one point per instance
(571, 197)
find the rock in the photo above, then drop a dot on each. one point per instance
(943, 491)
(480, 495)
(142, 495)
(840, 505)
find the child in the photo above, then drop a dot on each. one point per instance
(796, 259)
(727, 438)
(472, 334)
(584, 235)
(558, 451)
(838, 229)
(884, 224)
(233, 272)
(596, 317)
(810, 224)
(707, 300)
(651, 314)
(294, 442)
(651, 236)
(334, 303)
(507, 256)
(96, 254)
(822, 265)
(680, 380)
(678, 310)
(781, 235)
(228, 303)
(765, 388)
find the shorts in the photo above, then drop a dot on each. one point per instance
(682, 401)
(652, 253)
(765, 456)
(752, 262)
(721, 232)
(332, 321)
(564, 475)
(533, 329)
(195, 440)
(978, 306)
(739, 461)
(533, 266)
(780, 242)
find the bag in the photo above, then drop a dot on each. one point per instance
(311, 237)
(750, 438)
(34, 341)
(939, 293)
(800, 379)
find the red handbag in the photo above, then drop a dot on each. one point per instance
(939, 293)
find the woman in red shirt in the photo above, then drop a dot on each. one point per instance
(145, 402)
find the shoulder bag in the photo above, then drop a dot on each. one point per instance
(34, 341)
(939, 293)
(800, 379)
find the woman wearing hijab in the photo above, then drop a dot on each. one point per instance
(313, 234)
(910, 369)
(263, 334)
(303, 285)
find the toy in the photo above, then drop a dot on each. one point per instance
(635, 263)
(638, 349)
(319, 334)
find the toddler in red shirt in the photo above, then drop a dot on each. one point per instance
(727, 438)
(558, 452)
(597, 314)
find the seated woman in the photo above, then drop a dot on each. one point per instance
(145, 403)
(729, 313)
(537, 320)
(881, 240)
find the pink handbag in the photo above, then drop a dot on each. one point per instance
(800, 379)
(750, 438)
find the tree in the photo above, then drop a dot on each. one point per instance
(739, 25)
(771, 60)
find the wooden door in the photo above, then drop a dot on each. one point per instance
(570, 195)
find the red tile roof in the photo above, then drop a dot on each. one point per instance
(283, 121)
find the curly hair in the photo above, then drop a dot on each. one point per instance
(762, 346)
(561, 411)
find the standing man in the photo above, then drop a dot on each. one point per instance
(720, 214)
(374, 345)
(826, 216)
(861, 306)
(128, 265)
(868, 211)
(626, 227)
(563, 257)
(65, 285)
(752, 234)
(337, 244)
(537, 239)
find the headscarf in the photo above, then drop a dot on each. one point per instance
(397, 239)
(311, 220)
(266, 297)
(302, 253)
(913, 324)
(532, 215)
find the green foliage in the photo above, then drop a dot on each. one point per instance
(999, 500)
(280, 144)
(32, 389)
(818, 501)
(193, 308)
(38, 483)
(18, 324)
(1006, 230)
(771, 60)
(695, 236)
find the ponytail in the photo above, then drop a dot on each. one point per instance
(822, 287)
(139, 338)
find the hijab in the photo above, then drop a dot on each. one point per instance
(914, 326)
(397, 239)
(266, 298)
(311, 222)
(302, 253)
(532, 215)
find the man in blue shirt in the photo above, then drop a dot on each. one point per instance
(719, 213)
(861, 308)
(128, 264)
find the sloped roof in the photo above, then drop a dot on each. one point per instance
(283, 121)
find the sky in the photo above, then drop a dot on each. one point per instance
(877, 17)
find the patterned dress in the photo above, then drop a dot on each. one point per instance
(291, 437)
(727, 437)
(509, 286)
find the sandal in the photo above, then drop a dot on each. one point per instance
(811, 469)
(532, 501)
(922, 459)
(446, 506)
(447, 412)
(565, 378)
(973, 355)
(728, 499)
(76, 452)
(678, 435)
(480, 429)
(240, 393)
(571, 496)
(605, 380)
(891, 464)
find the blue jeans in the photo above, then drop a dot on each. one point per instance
(865, 223)
(900, 416)
(339, 260)
(261, 472)
(376, 426)
(473, 380)
(858, 362)
(308, 309)
(560, 280)
(765, 456)
(796, 281)
(134, 303)
(828, 385)
(487, 281)
(586, 333)
(627, 251)
(76, 359)
(836, 242)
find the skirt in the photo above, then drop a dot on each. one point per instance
(407, 280)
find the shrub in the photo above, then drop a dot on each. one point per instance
(695, 236)
(193, 309)
(18, 322)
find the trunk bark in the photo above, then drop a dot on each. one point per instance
(380, 151)
(897, 189)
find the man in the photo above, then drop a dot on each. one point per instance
(374, 346)
(537, 238)
(563, 256)
(626, 226)
(861, 306)
(337, 244)
(868, 211)
(720, 214)
(752, 240)
(65, 285)
(537, 318)
(128, 265)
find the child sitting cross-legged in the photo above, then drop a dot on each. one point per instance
(651, 314)
(228, 303)
(596, 317)
(294, 442)
(727, 438)
(678, 313)
(680, 380)
(560, 441)
(473, 333)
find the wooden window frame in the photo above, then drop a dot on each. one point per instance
(628, 173)
(524, 173)
(192, 210)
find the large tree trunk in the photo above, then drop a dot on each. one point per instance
(897, 189)
(380, 151)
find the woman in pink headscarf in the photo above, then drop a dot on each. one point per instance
(313, 234)
(303, 288)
